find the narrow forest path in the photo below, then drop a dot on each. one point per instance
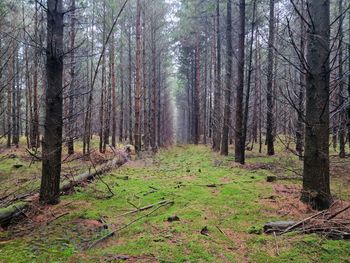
(217, 215)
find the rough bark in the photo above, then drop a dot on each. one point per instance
(137, 127)
(239, 136)
(316, 189)
(52, 142)
(227, 109)
(216, 124)
(269, 94)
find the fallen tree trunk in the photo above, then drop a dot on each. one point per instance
(12, 211)
(115, 163)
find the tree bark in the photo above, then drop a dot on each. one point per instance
(269, 95)
(316, 188)
(137, 127)
(52, 142)
(227, 109)
(239, 130)
(216, 125)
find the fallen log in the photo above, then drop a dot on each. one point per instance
(320, 223)
(65, 186)
(16, 209)
(12, 211)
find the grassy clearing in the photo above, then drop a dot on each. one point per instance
(233, 212)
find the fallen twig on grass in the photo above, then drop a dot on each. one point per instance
(112, 233)
(320, 223)
(163, 202)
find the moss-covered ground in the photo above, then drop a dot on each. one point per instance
(221, 209)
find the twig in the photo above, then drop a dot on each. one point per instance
(112, 233)
(302, 221)
(164, 202)
(339, 212)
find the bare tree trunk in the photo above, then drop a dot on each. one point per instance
(250, 70)
(114, 97)
(316, 189)
(217, 93)
(70, 133)
(137, 128)
(154, 91)
(130, 86)
(144, 83)
(122, 97)
(227, 109)
(269, 95)
(52, 142)
(239, 136)
(342, 116)
(300, 123)
(196, 93)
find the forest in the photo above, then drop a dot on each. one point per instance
(175, 131)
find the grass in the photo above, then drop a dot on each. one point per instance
(233, 213)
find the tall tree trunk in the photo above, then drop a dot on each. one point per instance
(103, 85)
(70, 133)
(239, 139)
(300, 122)
(114, 97)
(52, 142)
(250, 70)
(137, 128)
(342, 116)
(217, 93)
(227, 109)
(316, 188)
(122, 97)
(154, 91)
(269, 94)
(130, 87)
(196, 93)
(144, 83)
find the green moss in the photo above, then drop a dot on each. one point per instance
(181, 174)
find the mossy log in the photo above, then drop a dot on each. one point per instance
(12, 211)
(65, 186)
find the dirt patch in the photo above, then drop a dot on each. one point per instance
(286, 201)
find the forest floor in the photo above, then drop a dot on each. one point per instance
(206, 209)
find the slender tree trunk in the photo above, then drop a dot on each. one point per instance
(342, 116)
(137, 128)
(70, 133)
(197, 93)
(154, 91)
(316, 188)
(300, 123)
(114, 97)
(227, 109)
(52, 142)
(144, 83)
(239, 136)
(130, 86)
(122, 97)
(250, 70)
(269, 95)
(217, 93)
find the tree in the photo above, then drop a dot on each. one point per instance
(269, 90)
(227, 109)
(239, 136)
(52, 141)
(217, 92)
(316, 185)
(137, 128)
